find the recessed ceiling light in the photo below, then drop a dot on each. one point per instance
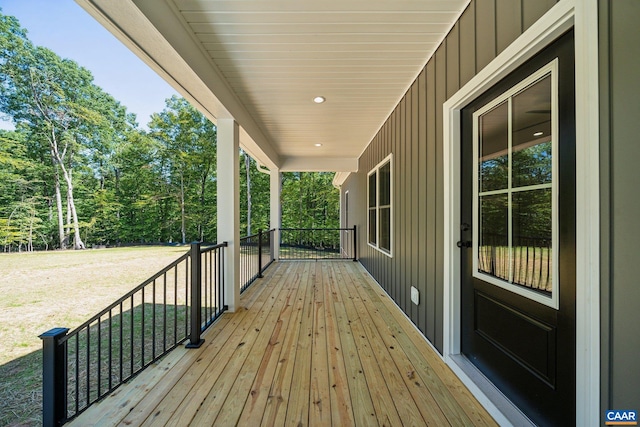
(318, 145)
(319, 99)
(538, 134)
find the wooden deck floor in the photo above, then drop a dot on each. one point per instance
(316, 343)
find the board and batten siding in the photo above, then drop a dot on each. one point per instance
(619, 129)
(413, 133)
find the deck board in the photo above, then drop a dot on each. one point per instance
(315, 343)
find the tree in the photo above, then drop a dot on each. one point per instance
(77, 163)
(60, 106)
(20, 200)
(188, 141)
(310, 200)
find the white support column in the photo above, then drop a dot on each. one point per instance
(275, 208)
(229, 207)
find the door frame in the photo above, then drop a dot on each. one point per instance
(582, 15)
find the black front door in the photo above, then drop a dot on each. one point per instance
(518, 231)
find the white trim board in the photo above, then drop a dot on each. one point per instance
(583, 16)
(375, 170)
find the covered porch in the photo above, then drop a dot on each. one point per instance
(312, 343)
(323, 342)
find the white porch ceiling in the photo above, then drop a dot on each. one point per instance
(263, 61)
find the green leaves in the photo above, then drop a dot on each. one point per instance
(309, 200)
(77, 150)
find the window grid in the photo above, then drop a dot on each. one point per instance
(380, 216)
(510, 192)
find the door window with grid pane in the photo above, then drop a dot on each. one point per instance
(515, 220)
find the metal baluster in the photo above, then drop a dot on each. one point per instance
(131, 341)
(99, 371)
(153, 321)
(110, 380)
(186, 297)
(207, 291)
(211, 285)
(175, 305)
(121, 341)
(216, 270)
(143, 327)
(164, 313)
(77, 391)
(88, 363)
(222, 277)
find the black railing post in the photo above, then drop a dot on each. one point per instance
(272, 244)
(355, 245)
(195, 341)
(260, 254)
(54, 377)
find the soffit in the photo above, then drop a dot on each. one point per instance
(273, 57)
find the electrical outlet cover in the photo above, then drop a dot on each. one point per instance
(415, 295)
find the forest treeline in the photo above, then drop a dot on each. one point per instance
(79, 171)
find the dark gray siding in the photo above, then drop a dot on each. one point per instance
(413, 133)
(620, 106)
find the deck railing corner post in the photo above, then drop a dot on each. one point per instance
(260, 254)
(54, 377)
(355, 245)
(195, 341)
(272, 243)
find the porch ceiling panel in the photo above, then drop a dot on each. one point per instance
(276, 56)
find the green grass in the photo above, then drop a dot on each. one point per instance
(57, 289)
(85, 373)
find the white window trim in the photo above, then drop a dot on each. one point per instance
(551, 69)
(374, 170)
(583, 16)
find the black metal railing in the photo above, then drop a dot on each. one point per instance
(318, 243)
(179, 302)
(256, 254)
(211, 294)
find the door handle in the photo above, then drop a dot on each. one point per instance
(464, 243)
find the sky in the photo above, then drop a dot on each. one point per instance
(65, 28)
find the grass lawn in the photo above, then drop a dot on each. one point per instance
(43, 290)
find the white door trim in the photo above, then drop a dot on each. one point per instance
(583, 16)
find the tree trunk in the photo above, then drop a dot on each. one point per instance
(68, 223)
(247, 165)
(66, 173)
(30, 239)
(56, 183)
(300, 199)
(77, 240)
(203, 185)
(116, 172)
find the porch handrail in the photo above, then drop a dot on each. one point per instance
(83, 366)
(318, 243)
(252, 254)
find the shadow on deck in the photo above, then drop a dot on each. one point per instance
(315, 343)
